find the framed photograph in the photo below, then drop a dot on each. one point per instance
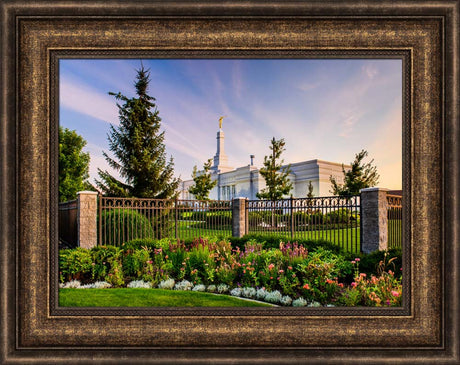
(38, 39)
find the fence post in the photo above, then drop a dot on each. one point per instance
(99, 204)
(239, 217)
(175, 219)
(374, 219)
(292, 217)
(87, 218)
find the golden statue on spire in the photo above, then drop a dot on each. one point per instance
(220, 121)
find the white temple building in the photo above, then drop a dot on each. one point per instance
(246, 181)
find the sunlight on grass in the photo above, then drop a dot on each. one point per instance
(127, 297)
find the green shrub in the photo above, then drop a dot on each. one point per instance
(139, 243)
(75, 264)
(341, 215)
(122, 225)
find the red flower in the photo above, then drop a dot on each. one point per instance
(306, 286)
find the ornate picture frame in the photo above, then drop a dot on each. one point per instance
(34, 37)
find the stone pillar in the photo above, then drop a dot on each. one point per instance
(239, 217)
(87, 219)
(374, 219)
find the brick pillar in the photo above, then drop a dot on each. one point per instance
(87, 219)
(239, 218)
(374, 219)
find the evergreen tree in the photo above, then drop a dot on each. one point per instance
(276, 177)
(73, 165)
(138, 146)
(361, 175)
(203, 183)
(310, 190)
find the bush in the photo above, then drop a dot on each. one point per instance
(75, 264)
(122, 225)
(341, 215)
(139, 243)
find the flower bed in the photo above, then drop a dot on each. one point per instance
(288, 275)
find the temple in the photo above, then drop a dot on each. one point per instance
(246, 181)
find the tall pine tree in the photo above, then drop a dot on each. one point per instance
(138, 146)
(361, 175)
(276, 176)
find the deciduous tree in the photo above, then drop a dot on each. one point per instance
(73, 165)
(203, 182)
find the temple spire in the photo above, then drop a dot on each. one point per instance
(220, 159)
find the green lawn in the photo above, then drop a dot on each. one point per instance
(127, 297)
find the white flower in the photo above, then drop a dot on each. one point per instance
(167, 284)
(314, 304)
(75, 284)
(236, 292)
(286, 300)
(183, 285)
(222, 288)
(300, 302)
(261, 294)
(199, 287)
(249, 293)
(139, 284)
(273, 297)
(211, 288)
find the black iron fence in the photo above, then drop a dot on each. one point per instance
(68, 225)
(334, 219)
(394, 221)
(125, 219)
(329, 218)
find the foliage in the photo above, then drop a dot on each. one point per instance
(203, 182)
(361, 175)
(383, 289)
(254, 270)
(276, 176)
(75, 264)
(138, 146)
(310, 190)
(73, 165)
(122, 225)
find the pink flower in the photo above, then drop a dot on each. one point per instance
(353, 284)
(93, 263)
(289, 267)
(271, 266)
(357, 259)
(363, 275)
(353, 262)
(281, 271)
(394, 293)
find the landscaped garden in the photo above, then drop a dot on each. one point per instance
(145, 272)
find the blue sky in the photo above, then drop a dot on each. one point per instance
(327, 109)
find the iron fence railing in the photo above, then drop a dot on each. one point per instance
(68, 227)
(394, 221)
(124, 219)
(333, 219)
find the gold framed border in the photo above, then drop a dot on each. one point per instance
(424, 34)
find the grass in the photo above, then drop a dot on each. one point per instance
(130, 297)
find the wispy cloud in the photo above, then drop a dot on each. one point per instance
(87, 100)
